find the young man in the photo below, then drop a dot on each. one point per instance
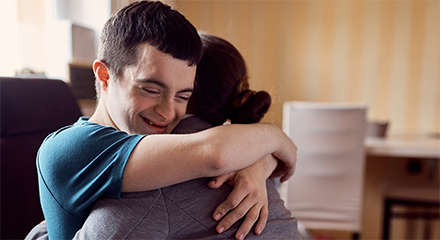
(145, 74)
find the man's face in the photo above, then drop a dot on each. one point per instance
(150, 96)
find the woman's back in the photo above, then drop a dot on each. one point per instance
(181, 211)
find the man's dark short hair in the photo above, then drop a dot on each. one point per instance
(149, 22)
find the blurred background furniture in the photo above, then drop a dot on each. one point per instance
(30, 110)
(418, 202)
(326, 190)
(405, 187)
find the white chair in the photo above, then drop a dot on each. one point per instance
(326, 190)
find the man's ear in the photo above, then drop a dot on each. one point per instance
(101, 73)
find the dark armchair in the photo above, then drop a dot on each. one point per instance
(30, 110)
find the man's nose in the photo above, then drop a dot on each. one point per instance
(165, 109)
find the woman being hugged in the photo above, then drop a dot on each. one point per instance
(222, 96)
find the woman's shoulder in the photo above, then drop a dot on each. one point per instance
(191, 124)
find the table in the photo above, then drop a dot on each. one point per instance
(404, 145)
(394, 150)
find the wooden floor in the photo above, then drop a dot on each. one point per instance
(329, 235)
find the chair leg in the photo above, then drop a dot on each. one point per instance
(427, 227)
(386, 220)
(355, 236)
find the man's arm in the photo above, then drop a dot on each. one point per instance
(162, 160)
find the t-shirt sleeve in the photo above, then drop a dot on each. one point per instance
(79, 164)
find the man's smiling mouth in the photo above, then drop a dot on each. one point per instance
(149, 122)
(156, 128)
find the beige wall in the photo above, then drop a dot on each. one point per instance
(21, 36)
(384, 53)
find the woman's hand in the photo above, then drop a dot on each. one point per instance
(249, 197)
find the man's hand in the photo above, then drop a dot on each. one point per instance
(249, 197)
(281, 172)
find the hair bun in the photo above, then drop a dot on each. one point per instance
(242, 98)
(250, 107)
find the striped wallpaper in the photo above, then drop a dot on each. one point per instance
(384, 53)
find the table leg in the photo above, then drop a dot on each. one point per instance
(432, 168)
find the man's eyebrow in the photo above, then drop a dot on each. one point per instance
(155, 81)
(161, 84)
(189, 90)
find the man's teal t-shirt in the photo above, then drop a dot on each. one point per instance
(76, 165)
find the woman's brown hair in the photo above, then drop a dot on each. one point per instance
(221, 88)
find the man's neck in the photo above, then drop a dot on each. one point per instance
(101, 115)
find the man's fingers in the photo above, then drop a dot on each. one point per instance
(251, 217)
(246, 207)
(289, 173)
(261, 224)
(217, 182)
(234, 199)
(236, 214)
(247, 201)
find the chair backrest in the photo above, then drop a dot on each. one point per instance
(30, 110)
(326, 190)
